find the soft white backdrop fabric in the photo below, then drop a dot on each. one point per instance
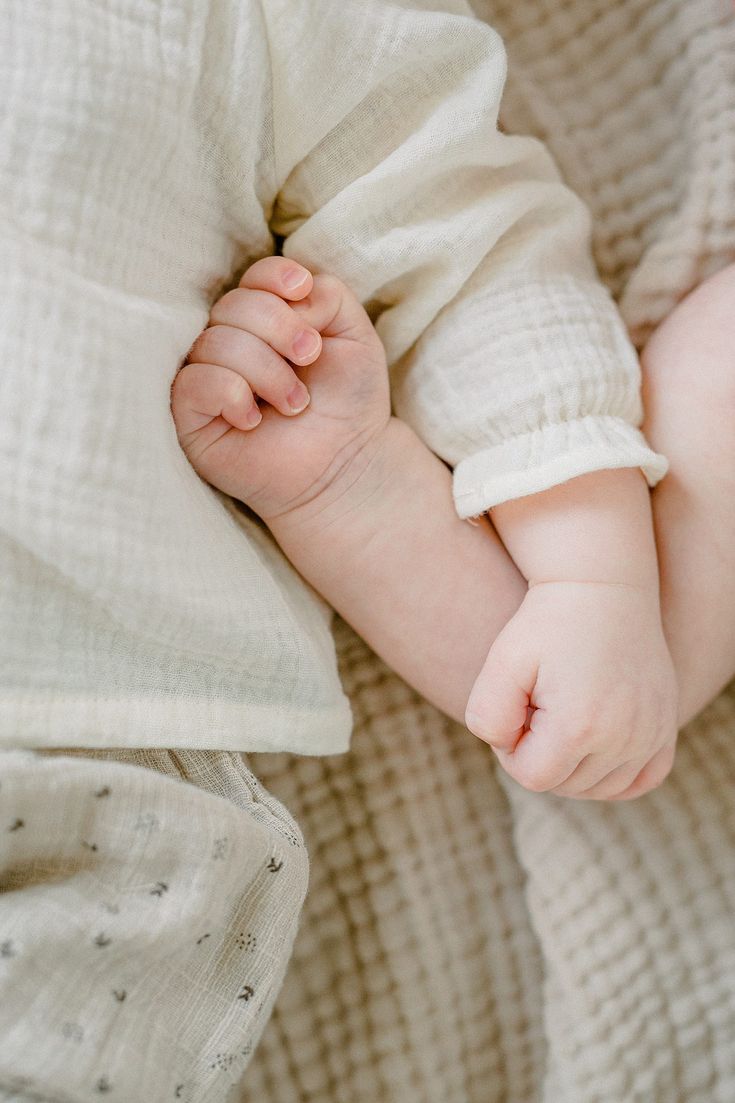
(134, 611)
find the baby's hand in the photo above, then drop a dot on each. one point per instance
(284, 451)
(577, 695)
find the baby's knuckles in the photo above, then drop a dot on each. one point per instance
(215, 344)
(582, 736)
(588, 718)
(532, 777)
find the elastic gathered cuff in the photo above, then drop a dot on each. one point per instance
(548, 456)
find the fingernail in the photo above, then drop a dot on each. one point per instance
(293, 278)
(254, 417)
(306, 344)
(298, 398)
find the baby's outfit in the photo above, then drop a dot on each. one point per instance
(149, 150)
(148, 904)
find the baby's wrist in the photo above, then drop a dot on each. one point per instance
(644, 587)
(362, 489)
(596, 528)
(642, 597)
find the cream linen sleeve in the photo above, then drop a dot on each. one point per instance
(507, 356)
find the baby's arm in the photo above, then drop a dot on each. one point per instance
(357, 502)
(386, 549)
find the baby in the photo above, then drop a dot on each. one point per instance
(543, 630)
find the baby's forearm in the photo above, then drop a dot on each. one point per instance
(386, 549)
(594, 528)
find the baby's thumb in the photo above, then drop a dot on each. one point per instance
(497, 709)
(334, 310)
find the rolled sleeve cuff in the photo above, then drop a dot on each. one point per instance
(548, 456)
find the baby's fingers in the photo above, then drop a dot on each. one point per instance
(651, 776)
(272, 320)
(281, 276)
(267, 373)
(334, 310)
(541, 760)
(597, 778)
(203, 393)
(498, 706)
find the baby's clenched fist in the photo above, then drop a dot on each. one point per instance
(283, 389)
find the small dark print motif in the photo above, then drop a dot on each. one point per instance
(159, 889)
(247, 993)
(179, 1090)
(200, 940)
(104, 791)
(102, 940)
(290, 835)
(72, 1031)
(246, 1050)
(246, 941)
(222, 1061)
(6, 948)
(16, 825)
(274, 866)
(119, 994)
(220, 849)
(90, 846)
(103, 1085)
